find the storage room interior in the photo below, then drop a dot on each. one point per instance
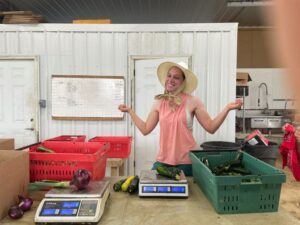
(66, 66)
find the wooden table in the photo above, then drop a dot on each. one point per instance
(122, 208)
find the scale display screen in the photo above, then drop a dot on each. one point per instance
(48, 212)
(149, 189)
(67, 212)
(163, 189)
(178, 189)
(60, 208)
(71, 204)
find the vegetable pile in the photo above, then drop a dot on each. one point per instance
(17, 211)
(233, 167)
(80, 180)
(129, 184)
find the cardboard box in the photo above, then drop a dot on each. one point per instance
(242, 79)
(7, 144)
(14, 172)
(256, 138)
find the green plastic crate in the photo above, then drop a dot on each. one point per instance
(255, 193)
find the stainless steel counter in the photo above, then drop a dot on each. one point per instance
(122, 208)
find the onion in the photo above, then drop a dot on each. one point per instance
(25, 203)
(81, 179)
(15, 212)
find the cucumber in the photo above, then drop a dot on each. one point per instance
(117, 185)
(126, 184)
(170, 172)
(44, 149)
(134, 185)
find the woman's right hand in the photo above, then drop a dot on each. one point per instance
(124, 108)
(237, 104)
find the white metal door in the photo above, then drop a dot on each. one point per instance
(146, 87)
(18, 101)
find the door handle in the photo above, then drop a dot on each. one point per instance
(32, 129)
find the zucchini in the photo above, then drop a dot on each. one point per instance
(226, 166)
(134, 185)
(170, 172)
(44, 149)
(233, 167)
(117, 185)
(126, 184)
(241, 170)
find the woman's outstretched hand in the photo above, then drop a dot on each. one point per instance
(124, 108)
(235, 105)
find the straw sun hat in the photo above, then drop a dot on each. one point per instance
(190, 78)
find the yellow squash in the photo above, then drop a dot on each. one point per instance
(126, 184)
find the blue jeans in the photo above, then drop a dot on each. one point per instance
(187, 168)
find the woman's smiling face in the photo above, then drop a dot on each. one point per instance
(174, 79)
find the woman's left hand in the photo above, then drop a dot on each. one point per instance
(235, 105)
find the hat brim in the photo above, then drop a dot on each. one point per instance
(190, 77)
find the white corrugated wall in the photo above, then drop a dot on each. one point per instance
(80, 49)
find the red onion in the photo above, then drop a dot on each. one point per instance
(15, 212)
(81, 179)
(25, 203)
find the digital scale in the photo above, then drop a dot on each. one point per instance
(154, 185)
(66, 205)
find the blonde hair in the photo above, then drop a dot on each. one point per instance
(173, 98)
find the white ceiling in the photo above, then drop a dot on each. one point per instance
(143, 11)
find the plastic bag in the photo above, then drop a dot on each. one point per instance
(288, 151)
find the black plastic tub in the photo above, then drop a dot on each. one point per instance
(220, 145)
(267, 154)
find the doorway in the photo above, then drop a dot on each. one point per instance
(19, 95)
(146, 86)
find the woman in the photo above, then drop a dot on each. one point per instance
(175, 110)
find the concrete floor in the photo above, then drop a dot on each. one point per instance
(290, 192)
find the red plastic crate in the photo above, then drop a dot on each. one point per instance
(68, 157)
(74, 138)
(120, 146)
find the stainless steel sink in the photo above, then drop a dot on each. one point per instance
(267, 122)
(264, 119)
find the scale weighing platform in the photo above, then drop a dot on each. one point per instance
(154, 185)
(67, 206)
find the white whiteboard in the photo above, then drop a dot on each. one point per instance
(87, 97)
